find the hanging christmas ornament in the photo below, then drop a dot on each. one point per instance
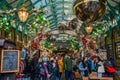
(84, 40)
(34, 45)
(89, 10)
(40, 38)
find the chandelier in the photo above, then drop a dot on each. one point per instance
(88, 29)
(23, 13)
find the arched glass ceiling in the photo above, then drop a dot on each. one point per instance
(57, 10)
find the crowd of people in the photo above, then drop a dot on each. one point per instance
(54, 67)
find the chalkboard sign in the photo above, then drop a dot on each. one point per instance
(10, 60)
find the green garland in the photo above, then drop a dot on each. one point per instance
(38, 23)
(5, 24)
(73, 44)
(99, 30)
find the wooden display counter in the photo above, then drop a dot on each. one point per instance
(93, 76)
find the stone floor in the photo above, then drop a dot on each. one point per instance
(63, 77)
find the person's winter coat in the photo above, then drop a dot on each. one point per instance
(112, 62)
(101, 67)
(91, 65)
(34, 62)
(60, 65)
(68, 64)
(54, 72)
(40, 70)
(83, 67)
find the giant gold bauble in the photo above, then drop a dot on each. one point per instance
(89, 10)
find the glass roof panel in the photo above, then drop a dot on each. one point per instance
(43, 2)
(37, 6)
(51, 17)
(57, 9)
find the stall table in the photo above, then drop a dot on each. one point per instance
(93, 76)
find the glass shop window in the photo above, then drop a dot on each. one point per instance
(0, 33)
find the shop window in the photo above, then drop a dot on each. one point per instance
(118, 50)
(19, 36)
(9, 36)
(0, 33)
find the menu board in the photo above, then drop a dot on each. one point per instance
(10, 61)
(110, 51)
(117, 50)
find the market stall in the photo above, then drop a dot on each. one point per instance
(109, 46)
(116, 42)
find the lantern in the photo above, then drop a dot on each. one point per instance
(23, 13)
(88, 29)
(113, 21)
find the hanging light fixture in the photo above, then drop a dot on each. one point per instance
(89, 10)
(113, 21)
(88, 29)
(23, 13)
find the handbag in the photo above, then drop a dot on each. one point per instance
(42, 72)
(77, 74)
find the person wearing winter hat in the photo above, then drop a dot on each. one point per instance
(93, 57)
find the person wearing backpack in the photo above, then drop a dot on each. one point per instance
(68, 67)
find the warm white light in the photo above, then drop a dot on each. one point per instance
(23, 14)
(88, 29)
(113, 21)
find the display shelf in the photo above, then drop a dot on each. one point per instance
(109, 46)
(116, 47)
(117, 50)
